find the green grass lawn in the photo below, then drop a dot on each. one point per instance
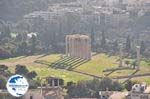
(45, 71)
(66, 75)
(94, 67)
(98, 64)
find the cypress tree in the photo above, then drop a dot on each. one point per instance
(92, 38)
(142, 47)
(103, 41)
(128, 44)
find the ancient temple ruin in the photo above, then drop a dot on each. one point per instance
(78, 46)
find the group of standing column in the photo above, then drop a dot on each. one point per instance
(78, 46)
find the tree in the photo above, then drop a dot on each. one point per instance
(71, 90)
(83, 90)
(19, 38)
(34, 43)
(129, 85)
(92, 38)
(127, 62)
(4, 71)
(6, 31)
(134, 64)
(70, 83)
(22, 48)
(2, 83)
(78, 90)
(103, 41)
(3, 68)
(106, 83)
(31, 75)
(21, 69)
(93, 84)
(91, 88)
(115, 46)
(117, 86)
(142, 47)
(128, 44)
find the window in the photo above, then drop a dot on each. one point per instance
(55, 82)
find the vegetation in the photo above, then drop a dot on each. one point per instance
(128, 44)
(22, 70)
(98, 64)
(91, 88)
(129, 84)
(2, 82)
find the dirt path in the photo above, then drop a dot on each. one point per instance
(87, 74)
(133, 76)
(118, 95)
(22, 61)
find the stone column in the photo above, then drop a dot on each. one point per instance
(81, 48)
(57, 82)
(53, 83)
(76, 47)
(71, 46)
(138, 57)
(67, 47)
(121, 55)
(89, 49)
(84, 49)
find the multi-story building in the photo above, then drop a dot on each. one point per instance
(139, 91)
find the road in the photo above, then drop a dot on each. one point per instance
(118, 95)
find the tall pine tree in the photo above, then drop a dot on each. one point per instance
(142, 47)
(6, 32)
(92, 38)
(128, 44)
(34, 43)
(103, 41)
